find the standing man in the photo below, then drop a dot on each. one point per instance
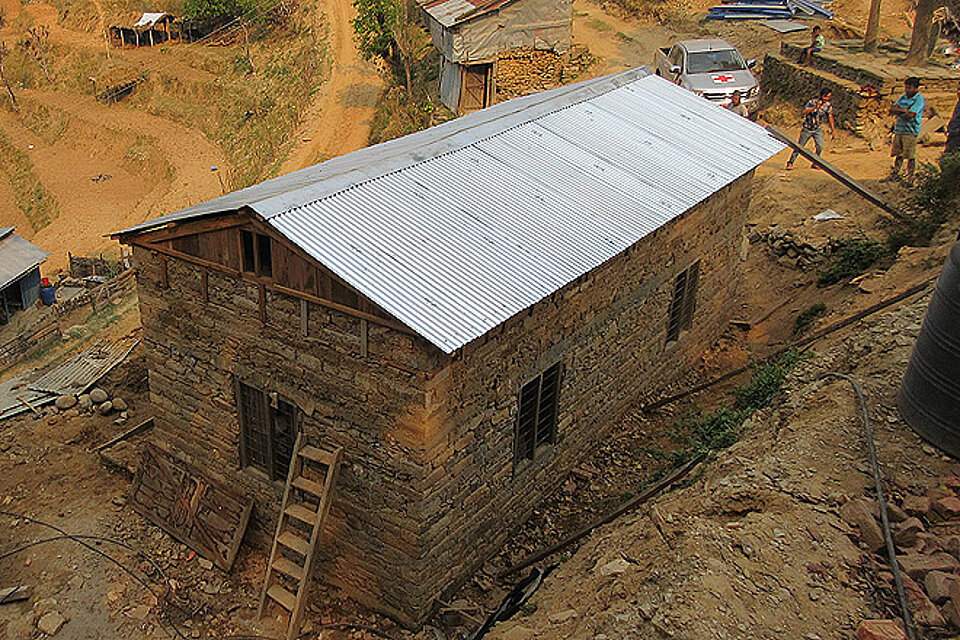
(736, 106)
(953, 128)
(909, 110)
(813, 115)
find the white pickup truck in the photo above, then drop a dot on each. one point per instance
(710, 68)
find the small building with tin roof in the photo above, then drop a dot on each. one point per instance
(466, 311)
(471, 33)
(19, 273)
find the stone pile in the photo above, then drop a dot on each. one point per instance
(97, 401)
(790, 249)
(926, 532)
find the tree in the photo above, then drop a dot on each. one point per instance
(385, 30)
(3, 77)
(920, 44)
(210, 14)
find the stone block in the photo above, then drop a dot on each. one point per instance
(880, 630)
(918, 566)
(905, 533)
(938, 585)
(917, 505)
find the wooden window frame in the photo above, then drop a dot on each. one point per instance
(271, 406)
(683, 304)
(252, 253)
(538, 411)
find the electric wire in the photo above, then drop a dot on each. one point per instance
(81, 540)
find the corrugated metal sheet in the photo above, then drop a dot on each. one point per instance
(70, 377)
(450, 12)
(17, 257)
(456, 229)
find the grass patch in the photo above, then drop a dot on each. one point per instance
(39, 207)
(599, 25)
(806, 318)
(934, 197)
(698, 434)
(849, 258)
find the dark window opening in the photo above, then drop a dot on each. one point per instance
(537, 419)
(264, 256)
(246, 248)
(268, 431)
(684, 302)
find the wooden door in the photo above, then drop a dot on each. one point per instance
(475, 87)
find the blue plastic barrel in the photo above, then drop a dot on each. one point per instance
(48, 295)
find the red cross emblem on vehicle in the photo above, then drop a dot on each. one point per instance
(720, 79)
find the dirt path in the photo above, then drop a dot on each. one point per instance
(338, 122)
(89, 210)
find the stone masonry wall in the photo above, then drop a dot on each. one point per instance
(371, 405)
(609, 331)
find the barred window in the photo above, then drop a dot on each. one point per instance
(684, 301)
(268, 430)
(537, 420)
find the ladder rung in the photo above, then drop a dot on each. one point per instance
(301, 513)
(317, 455)
(287, 566)
(282, 597)
(308, 485)
(294, 542)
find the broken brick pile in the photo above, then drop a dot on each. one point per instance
(926, 533)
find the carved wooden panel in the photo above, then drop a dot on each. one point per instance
(205, 515)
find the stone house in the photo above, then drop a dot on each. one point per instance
(19, 273)
(466, 311)
(471, 33)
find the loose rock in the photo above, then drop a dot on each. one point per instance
(880, 630)
(98, 396)
(119, 404)
(65, 402)
(105, 408)
(50, 623)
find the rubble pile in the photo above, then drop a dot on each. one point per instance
(925, 527)
(790, 249)
(96, 401)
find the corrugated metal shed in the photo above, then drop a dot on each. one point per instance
(455, 229)
(17, 256)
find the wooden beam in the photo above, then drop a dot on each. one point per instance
(842, 177)
(305, 317)
(15, 594)
(213, 266)
(126, 434)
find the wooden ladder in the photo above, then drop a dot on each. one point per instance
(306, 501)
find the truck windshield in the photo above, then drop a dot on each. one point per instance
(710, 61)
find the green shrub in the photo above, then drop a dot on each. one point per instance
(806, 317)
(850, 258)
(700, 434)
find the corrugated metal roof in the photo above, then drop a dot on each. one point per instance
(450, 12)
(17, 256)
(455, 229)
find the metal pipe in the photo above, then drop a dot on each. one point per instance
(881, 500)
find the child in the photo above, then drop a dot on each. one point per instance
(816, 44)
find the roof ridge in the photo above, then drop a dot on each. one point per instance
(473, 143)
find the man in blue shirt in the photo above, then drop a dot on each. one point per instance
(909, 111)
